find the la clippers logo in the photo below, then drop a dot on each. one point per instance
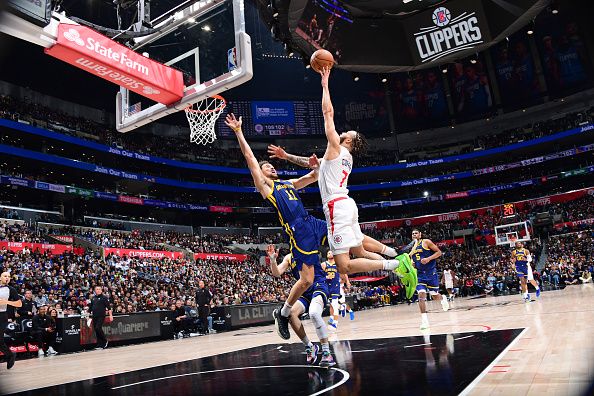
(441, 16)
(337, 239)
(448, 34)
(74, 36)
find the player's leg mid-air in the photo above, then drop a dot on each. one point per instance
(312, 301)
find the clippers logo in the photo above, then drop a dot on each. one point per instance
(448, 35)
(441, 16)
(337, 239)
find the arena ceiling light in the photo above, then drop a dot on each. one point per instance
(272, 9)
(530, 30)
(356, 77)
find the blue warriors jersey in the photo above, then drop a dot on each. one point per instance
(427, 273)
(286, 201)
(521, 256)
(420, 253)
(304, 232)
(521, 261)
(333, 279)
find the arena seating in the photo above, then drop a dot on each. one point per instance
(14, 109)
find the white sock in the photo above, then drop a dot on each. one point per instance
(326, 347)
(388, 251)
(424, 318)
(350, 310)
(526, 295)
(390, 265)
(307, 342)
(537, 287)
(286, 310)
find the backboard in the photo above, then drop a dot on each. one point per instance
(509, 234)
(206, 41)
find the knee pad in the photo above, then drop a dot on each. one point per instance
(315, 313)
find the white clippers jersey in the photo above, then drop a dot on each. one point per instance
(334, 175)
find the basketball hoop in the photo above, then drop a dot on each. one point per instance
(202, 117)
(512, 240)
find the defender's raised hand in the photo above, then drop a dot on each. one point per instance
(325, 72)
(277, 152)
(233, 123)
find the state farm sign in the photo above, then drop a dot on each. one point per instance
(90, 51)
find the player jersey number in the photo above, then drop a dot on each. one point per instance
(418, 257)
(331, 275)
(292, 196)
(344, 177)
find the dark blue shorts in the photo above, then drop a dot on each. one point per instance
(522, 270)
(319, 288)
(334, 288)
(306, 235)
(428, 283)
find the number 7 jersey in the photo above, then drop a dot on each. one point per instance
(334, 176)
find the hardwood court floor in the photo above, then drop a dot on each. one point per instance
(554, 355)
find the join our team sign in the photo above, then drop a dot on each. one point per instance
(445, 30)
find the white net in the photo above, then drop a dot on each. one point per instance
(202, 117)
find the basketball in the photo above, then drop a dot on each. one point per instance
(320, 59)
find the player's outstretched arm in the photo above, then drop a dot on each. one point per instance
(333, 148)
(280, 153)
(437, 251)
(277, 269)
(311, 163)
(262, 184)
(305, 180)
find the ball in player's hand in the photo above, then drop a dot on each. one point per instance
(321, 59)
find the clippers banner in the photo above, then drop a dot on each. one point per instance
(92, 52)
(42, 247)
(220, 256)
(156, 254)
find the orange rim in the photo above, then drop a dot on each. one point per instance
(219, 108)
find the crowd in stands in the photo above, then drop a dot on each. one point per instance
(180, 147)
(18, 233)
(484, 224)
(65, 281)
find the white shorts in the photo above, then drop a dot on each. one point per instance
(449, 285)
(344, 231)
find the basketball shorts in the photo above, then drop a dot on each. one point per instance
(428, 283)
(334, 289)
(319, 288)
(449, 285)
(306, 235)
(522, 270)
(344, 232)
